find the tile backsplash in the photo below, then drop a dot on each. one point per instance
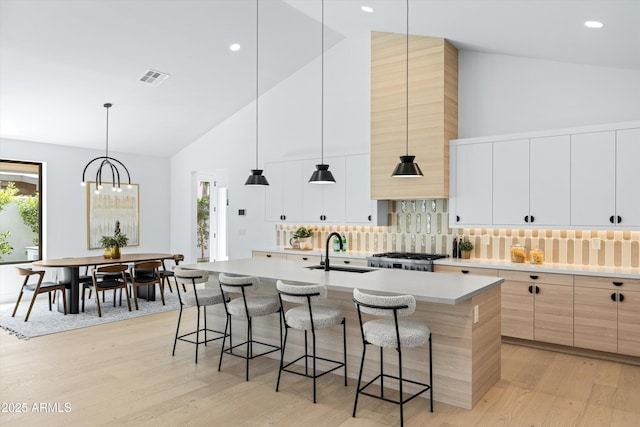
(423, 226)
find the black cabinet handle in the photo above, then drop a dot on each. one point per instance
(457, 218)
(619, 219)
(530, 289)
(621, 298)
(532, 218)
(347, 261)
(526, 218)
(611, 219)
(537, 290)
(613, 296)
(618, 283)
(465, 271)
(268, 255)
(369, 218)
(534, 277)
(304, 258)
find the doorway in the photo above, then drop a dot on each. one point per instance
(210, 219)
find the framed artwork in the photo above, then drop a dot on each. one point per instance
(107, 207)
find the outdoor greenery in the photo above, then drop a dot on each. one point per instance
(6, 197)
(202, 220)
(30, 214)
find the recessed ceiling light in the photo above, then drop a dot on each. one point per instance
(367, 9)
(234, 47)
(593, 24)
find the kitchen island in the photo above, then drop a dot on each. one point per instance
(463, 313)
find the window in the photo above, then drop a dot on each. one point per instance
(20, 211)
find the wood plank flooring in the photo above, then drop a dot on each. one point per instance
(123, 374)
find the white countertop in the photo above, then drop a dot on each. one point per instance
(318, 252)
(429, 287)
(584, 270)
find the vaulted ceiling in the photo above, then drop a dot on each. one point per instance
(61, 60)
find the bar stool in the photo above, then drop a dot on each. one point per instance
(309, 317)
(203, 297)
(391, 333)
(246, 307)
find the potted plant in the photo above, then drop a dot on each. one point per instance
(112, 244)
(304, 236)
(465, 249)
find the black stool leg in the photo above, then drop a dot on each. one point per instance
(284, 345)
(227, 327)
(313, 338)
(381, 373)
(430, 374)
(197, 334)
(175, 341)
(401, 400)
(364, 353)
(344, 345)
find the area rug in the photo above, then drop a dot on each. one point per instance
(45, 322)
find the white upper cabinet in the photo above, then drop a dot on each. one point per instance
(582, 178)
(628, 178)
(593, 179)
(283, 197)
(358, 203)
(473, 185)
(511, 182)
(550, 181)
(324, 202)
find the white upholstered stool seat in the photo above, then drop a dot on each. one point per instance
(308, 316)
(192, 292)
(246, 306)
(382, 332)
(391, 332)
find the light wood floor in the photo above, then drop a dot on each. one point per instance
(123, 374)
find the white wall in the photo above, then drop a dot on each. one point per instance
(498, 94)
(64, 204)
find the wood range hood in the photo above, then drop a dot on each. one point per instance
(432, 109)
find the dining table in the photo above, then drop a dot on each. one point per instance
(72, 265)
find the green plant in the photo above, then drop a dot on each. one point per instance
(30, 214)
(303, 232)
(120, 240)
(5, 246)
(6, 196)
(465, 245)
(202, 220)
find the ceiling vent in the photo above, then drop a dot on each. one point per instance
(153, 77)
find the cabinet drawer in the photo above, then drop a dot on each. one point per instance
(358, 262)
(534, 277)
(304, 258)
(271, 255)
(466, 270)
(607, 283)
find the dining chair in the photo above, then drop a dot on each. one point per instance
(146, 274)
(165, 274)
(106, 278)
(38, 288)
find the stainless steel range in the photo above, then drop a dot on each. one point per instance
(404, 260)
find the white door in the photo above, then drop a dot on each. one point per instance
(628, 178)
(550, 180)
(593, 189)
(511, 182)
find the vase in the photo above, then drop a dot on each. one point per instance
(306, 242)
(107, 253)
(115, 252)
(465, 254)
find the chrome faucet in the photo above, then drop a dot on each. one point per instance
(326, 255)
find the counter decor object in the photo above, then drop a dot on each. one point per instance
(518, 253)
(536, 256)
(465, 247)
(302, 238)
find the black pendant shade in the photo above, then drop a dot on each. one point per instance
(322, 175)
(256, 178)
(406, 168)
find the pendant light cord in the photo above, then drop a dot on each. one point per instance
(257, 92)
(322, 91)
(407, 88)
(107, 133)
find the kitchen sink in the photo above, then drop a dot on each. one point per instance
(342, 268)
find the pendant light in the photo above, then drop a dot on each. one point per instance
(322, 174)
(111, 164)
(407, 168)
(256, 177)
